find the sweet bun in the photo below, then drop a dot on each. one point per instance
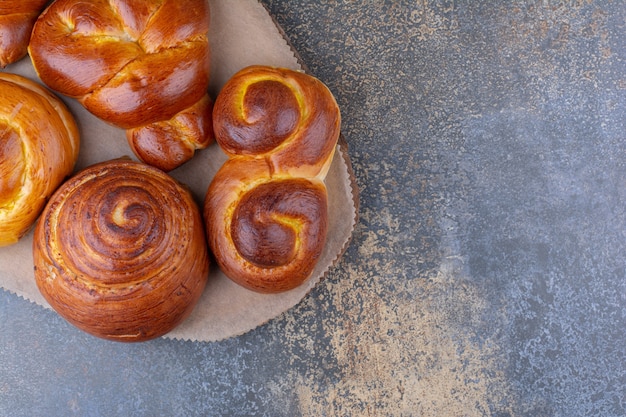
(266, 209)
(17, 18)
(39, 144)
(142, 66)
(120, 251)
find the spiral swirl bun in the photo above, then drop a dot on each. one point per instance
(266, 209)
(17, 18)
(287, 117)
(142, 66)
(39, 144)
(120, 251)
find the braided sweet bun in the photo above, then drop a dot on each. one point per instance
(140, 65)
(266, 208)
(17, 18)
(120, 251)
(39, 143)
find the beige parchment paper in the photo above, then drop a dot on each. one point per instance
(242, 33)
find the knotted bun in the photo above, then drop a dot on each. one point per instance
(266, 208)
(39, 143)
(120, 251)
(17, 18)
(140, 65)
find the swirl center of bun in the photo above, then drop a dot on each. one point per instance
(273, 219)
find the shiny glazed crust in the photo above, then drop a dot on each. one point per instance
(266, 208)
(17, 18)
(133, 64)
(39, 144)
(120, 251)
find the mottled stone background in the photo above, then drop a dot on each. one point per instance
(487, 273)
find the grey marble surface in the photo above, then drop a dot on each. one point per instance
(487, 273)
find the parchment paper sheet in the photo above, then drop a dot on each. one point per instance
(242, 33)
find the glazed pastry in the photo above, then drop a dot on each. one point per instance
(17, 18)
(120, 251)
(266, 208)
(140, 65)
(39, 143)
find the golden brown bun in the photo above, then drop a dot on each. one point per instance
(39, 143)
(169, 144)
(120, 251)
(266, 209)
(132, 64)
(17, 18)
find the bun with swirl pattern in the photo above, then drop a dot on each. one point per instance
(39, 144)
(120, 251)
(17, 18)
(140, 65)
(266, 209)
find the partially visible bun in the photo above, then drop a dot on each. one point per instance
(17, 18)
(39, 144)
